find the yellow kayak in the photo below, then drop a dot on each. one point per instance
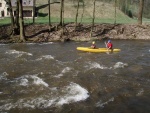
(97, 50)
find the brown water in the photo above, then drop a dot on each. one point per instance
(56, 78)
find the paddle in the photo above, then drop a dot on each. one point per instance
(105, 44)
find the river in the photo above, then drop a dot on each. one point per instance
(56, 78)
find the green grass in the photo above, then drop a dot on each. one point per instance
(45, 20)
(104, 13)
(5, 21)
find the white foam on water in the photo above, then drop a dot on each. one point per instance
(41, 102)
(92, 65)
(1, 92)
(59, 75)
(102, 104)
(30, 80)
(24, 82)
(120, 65)
(75, 93)
(53, 89)
(30, 43)
(18, 53)
(46, 43)
(38, 81)
(3, 76)
(48, 57)
(140, 93)
(7, 106)
(2, 44)
(65, 70)
(69, 94)
(39, 59)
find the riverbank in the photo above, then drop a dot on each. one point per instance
(41, 33)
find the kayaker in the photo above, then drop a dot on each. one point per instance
(93, 46)
(109, 45)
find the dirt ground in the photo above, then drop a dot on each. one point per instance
(43, 33)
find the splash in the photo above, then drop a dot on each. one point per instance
(48, 57)
(30, 43)
(65, 70)
(92, 65)
(24, 80)
(39, 81)
(18, 53)
(2, 44)
(102, 104)
(120, 65)
(75, 93)
(140, 92)
(68, 94)
(3, 76)
(46, 43)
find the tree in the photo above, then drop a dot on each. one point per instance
(83, 8)
(93, 15)
(49, 7)
(141, 5)
(115, 10)
(76, 19)
(34, 1)
(21, 21)
(14, 19)
(11, 15)
(62, 13)
(17, 18)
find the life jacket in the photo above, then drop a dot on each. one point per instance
(93, 46)
(109, 45)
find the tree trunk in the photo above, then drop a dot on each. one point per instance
(115, 10)
(17, 15)
(82, 12)
(93, 20)
(141, 5)
(49, 13)
(77, 15)
(34, 1)
(12, 17)
(61, 12)
(126, 7)
(16, 20)
(21, 20)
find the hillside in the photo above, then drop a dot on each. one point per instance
(103, 10)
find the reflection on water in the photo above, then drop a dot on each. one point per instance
(56, 78)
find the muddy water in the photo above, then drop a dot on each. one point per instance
(56, 78)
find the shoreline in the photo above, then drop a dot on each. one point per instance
(39, 33)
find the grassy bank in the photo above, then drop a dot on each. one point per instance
(45, 20)
(104, 13)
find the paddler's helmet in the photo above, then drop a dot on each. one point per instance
(93, 42)
(109, 41)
